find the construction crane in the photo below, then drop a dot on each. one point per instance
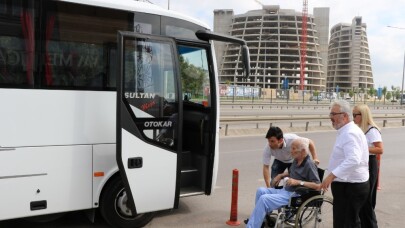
(259, 2)
(303, 46)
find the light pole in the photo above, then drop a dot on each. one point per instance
(402, 89)
(403, 69)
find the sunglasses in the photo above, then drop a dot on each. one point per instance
(356, 114)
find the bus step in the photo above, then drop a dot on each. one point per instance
(191, 191)
(188, 177)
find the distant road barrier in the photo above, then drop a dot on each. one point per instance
(255, 121)
(300, 106)
(227, 119)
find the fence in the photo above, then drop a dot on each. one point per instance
(293, 125)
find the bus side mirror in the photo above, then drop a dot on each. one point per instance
(246, 60)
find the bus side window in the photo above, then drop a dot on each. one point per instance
(17, 44)
(80, 45)
(195, 75)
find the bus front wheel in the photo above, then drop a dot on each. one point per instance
(113, 207)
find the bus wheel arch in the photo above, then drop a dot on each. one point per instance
(113, 206)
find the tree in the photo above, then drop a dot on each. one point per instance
(193, 78)
(397, 94)
(389, 95)
(372, 92)
(351, 93)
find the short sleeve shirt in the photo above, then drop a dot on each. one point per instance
(307, 171)
(372, 136)
(283, 154)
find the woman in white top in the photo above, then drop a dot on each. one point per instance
(363, 118)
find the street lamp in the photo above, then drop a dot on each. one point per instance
(403, 70)
(402, 89)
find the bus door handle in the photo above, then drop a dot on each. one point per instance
(6, 148)
(134, 163)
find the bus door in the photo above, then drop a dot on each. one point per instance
(200, 138)
(148, 121)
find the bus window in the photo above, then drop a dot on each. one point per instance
(80, 46)
(17, 44)
(146, 23)
(178, 28)
(194, 75)
(150, 89)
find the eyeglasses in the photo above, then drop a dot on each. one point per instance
(335, 113)
(356, 114)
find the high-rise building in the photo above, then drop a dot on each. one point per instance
(349, 65)
(273, 36)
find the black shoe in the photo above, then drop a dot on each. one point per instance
(247, 220)
(271, 221)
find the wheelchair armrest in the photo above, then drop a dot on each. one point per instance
(304, 194)
(304, 190)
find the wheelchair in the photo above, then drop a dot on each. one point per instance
(310, 209)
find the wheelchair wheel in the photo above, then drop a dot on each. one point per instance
(317, 211)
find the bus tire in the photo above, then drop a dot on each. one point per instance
(113, 207)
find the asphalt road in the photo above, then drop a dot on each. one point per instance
(244, 153)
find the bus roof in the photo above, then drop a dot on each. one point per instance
(138, 6)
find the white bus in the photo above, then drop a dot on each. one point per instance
(108, 105)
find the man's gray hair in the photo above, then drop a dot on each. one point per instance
(344, 107)
(303, 143)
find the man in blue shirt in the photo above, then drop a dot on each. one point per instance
(303, 172)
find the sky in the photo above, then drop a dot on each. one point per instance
(386, 44)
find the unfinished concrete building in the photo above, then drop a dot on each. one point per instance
(273, 36)
(349, 65)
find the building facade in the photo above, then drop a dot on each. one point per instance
(349, 64)
(273, 36)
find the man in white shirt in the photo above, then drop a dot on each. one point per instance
(348, 166)
(279, 146)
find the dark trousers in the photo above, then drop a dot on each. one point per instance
(373, 169)
(348, 199)
(367, 214)
(279, 167)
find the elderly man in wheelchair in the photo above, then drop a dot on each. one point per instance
(299, 203)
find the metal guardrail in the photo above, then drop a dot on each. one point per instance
(227, 119)
(296, 118)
